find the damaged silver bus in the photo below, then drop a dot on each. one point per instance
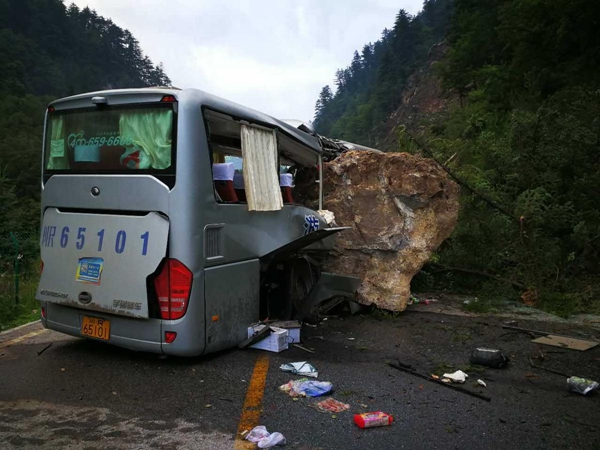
(169, 223)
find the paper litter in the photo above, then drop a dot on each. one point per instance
(300, 368)
(330, 405)
(581, 385)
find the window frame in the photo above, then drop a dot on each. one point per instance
(165, 175)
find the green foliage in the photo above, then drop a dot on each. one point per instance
(13, 314)
(369, 90)
(48, 51)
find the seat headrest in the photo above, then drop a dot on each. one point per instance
(238, 181)
(223, 171)
(286, 180)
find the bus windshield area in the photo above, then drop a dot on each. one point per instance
(110, 140)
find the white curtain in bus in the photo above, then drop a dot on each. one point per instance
(261, 175)
(57, 159)
(150, 132)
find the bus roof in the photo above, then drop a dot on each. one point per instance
(204, 99)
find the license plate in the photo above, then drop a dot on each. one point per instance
(96, 328)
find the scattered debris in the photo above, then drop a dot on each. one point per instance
(300, 368)
(331, 405)
(565, 342)
(581, 385)
(303, 348)
(45, 348)
(433, 380)
(306, 388)
(258, 334)
(406, 366)
(351, 339)
(548, 370)
(327, 215)
(276, 342)
(457, 377)
(62, 369)
(373, 419)
(488, 357)
(259, 435)
(539, 333)
(293, 327)
(481, 383)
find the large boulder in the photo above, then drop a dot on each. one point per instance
(401, 207)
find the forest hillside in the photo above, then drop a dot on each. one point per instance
(49, 50)
(505, 95)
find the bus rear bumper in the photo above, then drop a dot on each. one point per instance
(147, 332)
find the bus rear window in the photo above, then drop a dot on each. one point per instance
(110, 140)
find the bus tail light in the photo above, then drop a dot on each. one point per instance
(173, 286)
(43, 312)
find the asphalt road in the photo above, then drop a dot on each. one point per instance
(81, 394)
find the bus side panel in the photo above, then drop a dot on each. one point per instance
(232, 295)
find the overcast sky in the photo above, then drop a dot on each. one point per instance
(271, 55)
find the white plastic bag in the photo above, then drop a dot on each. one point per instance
(457, 377)
(259, 435)
(272, 440)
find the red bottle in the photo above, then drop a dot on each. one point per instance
(373, 419)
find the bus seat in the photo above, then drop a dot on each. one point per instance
(286, 182)
(238, 185)
(223, 179)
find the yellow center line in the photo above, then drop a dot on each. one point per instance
(22, 338)
(251, 410)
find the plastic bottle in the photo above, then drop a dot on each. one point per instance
(373, 419)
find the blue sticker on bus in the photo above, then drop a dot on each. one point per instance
(89, 270)
(311, 223)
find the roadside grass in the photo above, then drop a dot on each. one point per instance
(27, 310)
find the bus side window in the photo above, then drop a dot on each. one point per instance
(227, 178)
(223, 181)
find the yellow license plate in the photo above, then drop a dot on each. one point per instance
(96, 328)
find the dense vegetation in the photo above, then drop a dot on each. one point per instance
(49, 50)
(370, 88)
(524, 134)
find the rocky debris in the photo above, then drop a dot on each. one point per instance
(400, 207)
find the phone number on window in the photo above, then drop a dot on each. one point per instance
(75, 140)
